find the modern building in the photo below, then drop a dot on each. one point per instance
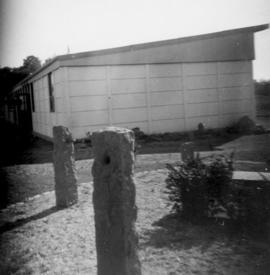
(164, 86)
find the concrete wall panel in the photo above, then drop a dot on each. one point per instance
(236, 93)
(166, 98)
(128, 101)
(124, 86)
(165, 84)
(235, 80)
(131, 71)
(200, 68)
(167, 112)
(59, 76)
(88, 103)
(201, 82)
(167, 70)
(202, 109)
(129, 115)
(86, 73)
(235, 67)
(82, 88)
(89, 118)
(198, 96)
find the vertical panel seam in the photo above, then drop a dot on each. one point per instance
(67, 99)
(148, 99)
(253, 100)
(184, 88)
(219, 90)
(109, 94)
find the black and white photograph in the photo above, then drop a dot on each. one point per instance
(135, 137)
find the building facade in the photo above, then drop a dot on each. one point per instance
(164, 86)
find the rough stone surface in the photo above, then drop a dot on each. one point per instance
(187, 151)
(114, 202)
(64, 168)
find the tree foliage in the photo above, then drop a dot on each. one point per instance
(9, 77)
(31, 64)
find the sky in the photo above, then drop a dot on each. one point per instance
(46, 28)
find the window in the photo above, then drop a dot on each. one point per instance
(51, 93)
(32, 97)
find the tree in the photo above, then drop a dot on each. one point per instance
(9, 77)
(31, 64)
(48, 60)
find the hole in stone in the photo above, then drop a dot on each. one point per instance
(107, 160)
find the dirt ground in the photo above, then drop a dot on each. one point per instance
(37, 239)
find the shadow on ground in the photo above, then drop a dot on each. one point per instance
(21, 147)
(173, 233)
(11, 225)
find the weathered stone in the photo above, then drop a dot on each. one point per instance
(187, 151)
(201, 128)
(114, 202)
(64, 168)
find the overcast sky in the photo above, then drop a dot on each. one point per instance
(46, 28)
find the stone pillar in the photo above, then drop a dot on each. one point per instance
(187, 151)
(114, 202)
(64, 168)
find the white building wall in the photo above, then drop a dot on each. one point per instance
(159, 97)
(156, 97)
(88, 99)
(43, 118)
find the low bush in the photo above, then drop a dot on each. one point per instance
(200, 190)
(194, 184)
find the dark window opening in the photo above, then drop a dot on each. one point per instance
(32, 97)
(51, 93)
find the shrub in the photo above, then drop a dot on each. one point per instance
(194, 185)
(200, 190)
(139, 134)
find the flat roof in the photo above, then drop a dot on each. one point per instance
(148, 45)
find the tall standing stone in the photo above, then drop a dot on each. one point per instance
(187, 151)
(114, 202)
(64, 168)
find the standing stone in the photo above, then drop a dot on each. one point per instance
(64, 168)
(114, 202)
(187, 151)
(201, 128)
